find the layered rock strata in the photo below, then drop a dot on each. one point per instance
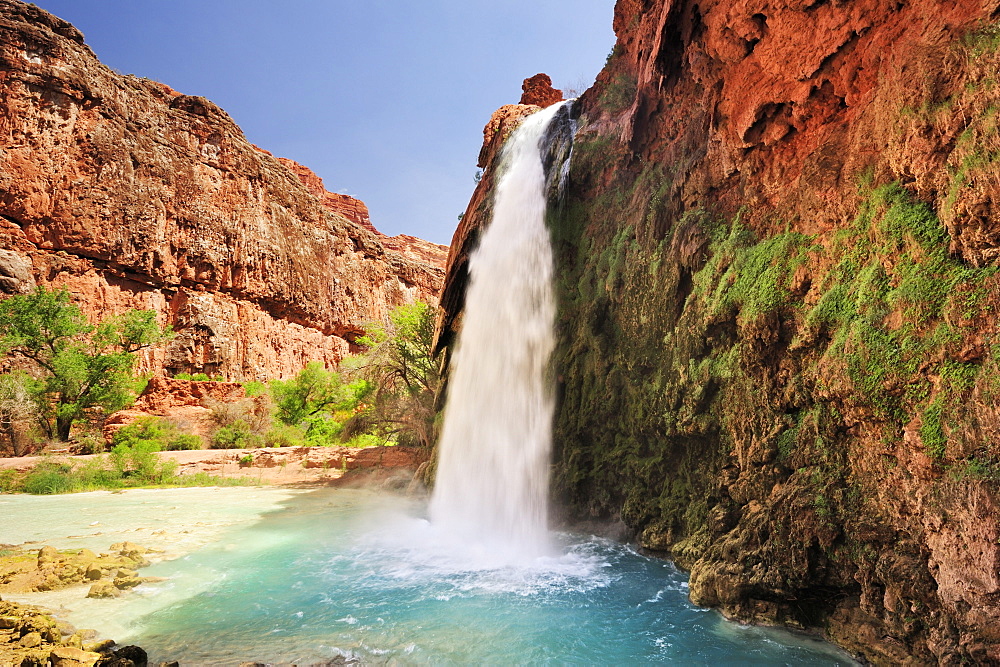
(135, 196)
(778, 342)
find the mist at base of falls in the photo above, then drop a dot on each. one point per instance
(338, 574)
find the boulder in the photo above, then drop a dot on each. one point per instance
(30, 640)
(103, 589)
(15, 273)
(47, 555)
(70, 656)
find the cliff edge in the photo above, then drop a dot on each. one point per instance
(133, 195)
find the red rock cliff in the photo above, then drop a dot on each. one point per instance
(778, 286)
(133, 195)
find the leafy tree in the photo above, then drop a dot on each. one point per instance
(399, 358)
(404, 377)
(313, 397)
(76, 366)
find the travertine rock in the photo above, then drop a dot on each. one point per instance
(538, 91)
(133, 195)
(729, 438)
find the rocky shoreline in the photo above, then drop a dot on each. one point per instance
(30, 636)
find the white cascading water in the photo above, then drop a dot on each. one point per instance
(492, 480)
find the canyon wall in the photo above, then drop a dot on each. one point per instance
(778, 358)
(132, 195)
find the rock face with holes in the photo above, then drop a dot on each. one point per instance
(778, 273)
(135, 196)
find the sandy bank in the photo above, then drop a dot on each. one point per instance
(285, 466)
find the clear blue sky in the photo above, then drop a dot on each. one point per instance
(386, 101)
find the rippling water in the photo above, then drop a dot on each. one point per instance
(354, 574)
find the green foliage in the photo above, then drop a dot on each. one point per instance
(931, 431)
(619, 93)
(367, 440)
(983, 39)
(200, 377)
(400, 377)
(159, 432)
(750, 276)
(921, 285)
(139, 460)
(285, 435)
(236, 435)
(399, 357)
(9, 482)
(76, 366)
(313, 396)
(975, 469)
(254, 388)
(127, 467)
(48, 479)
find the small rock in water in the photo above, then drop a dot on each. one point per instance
(127, 656)
(103, 589)
(124, 583)
(102, 646)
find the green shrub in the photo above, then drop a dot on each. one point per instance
(49, 478)
(184, 441)
(285, 435)
(236, 435)
(9, 482)
(368, 440)
(139, 461)
(90, 443)
(199, 377)
(162, 433)
(254, 388)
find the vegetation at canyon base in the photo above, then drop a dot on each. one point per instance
(382, 397)
(68, 367)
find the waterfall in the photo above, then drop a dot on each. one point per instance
(493, 471)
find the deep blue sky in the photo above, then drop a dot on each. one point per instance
(386, 101)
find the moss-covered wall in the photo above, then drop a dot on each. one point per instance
(802, 412)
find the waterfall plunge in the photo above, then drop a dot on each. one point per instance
(493, 470)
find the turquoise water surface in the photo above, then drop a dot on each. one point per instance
(353, 574)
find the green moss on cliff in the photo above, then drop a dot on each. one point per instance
(707, 349)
